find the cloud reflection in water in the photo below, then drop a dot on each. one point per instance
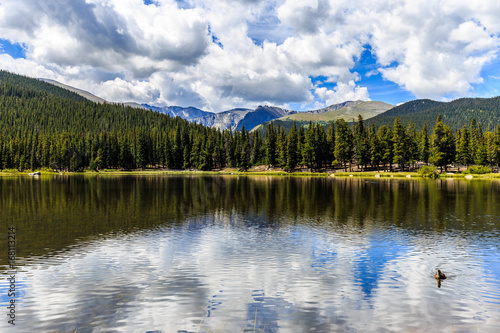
(287, 255)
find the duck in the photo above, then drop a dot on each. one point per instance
(439, 275)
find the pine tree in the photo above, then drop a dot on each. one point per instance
(309, 147)
(1, 154)
(208, 152)
(270, 143)
(230, 149)
(201, 161)
(481, 157)
(489, 140)
(98, 159)
(256, 148)
(219, 156)
(22, 163)
(400, 145)
(244, 163)
(376, 149)
(387, 144)
(424, 145)
(34, 160)
(343, 143)
(292, 149)
(186, 157)
(412, 144)
(160, 157)
(7, 157)
(330, 140)
(144, 151)
(463, 150)
(442, 145)
(321, 156)
(196, 151)
(362, 144)
(126, 157)
(45, 156)
(474, 137)
(104, 151)
(93, 165)
(114, 151)
(496, 141)
(178, 149)
(186, 143)
(282, 148)
(300, 144)
(74, 164)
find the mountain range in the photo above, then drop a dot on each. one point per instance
(238, 118)
(455, 114)
(348, 111)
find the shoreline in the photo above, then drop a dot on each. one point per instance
(342, 174)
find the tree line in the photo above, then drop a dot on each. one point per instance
(42, 128)
(191, 146)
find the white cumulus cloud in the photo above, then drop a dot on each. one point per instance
(224, 54)
(343, 92)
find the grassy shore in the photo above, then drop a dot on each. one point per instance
(253, 171)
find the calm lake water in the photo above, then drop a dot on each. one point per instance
(263, 254)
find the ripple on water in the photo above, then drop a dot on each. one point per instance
(296, 278)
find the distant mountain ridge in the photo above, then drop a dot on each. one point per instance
(188, 113)
(456, 113)
(80, 92)
(334, 107)
(224, 120)
(348, 111)
(262, 114)
(234, 119)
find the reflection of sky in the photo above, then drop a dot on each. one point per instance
(228, 274)
(369, 267)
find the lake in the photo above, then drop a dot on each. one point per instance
(194, 253)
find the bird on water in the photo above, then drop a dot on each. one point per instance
(439, 275)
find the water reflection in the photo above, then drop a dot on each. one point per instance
(133, 254)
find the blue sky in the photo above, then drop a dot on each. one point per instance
(218, 55)
(16, 51)
(369, 77)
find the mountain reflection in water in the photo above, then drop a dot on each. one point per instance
(274, 254)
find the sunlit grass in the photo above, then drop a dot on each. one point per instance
(274, 172)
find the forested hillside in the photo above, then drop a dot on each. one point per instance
(13, 85)
(455, 114)
(43, 126)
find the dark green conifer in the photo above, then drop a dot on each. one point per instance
(292, 149)
(344, 143)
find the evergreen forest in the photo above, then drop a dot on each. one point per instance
(44, 126)
(456, 114)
